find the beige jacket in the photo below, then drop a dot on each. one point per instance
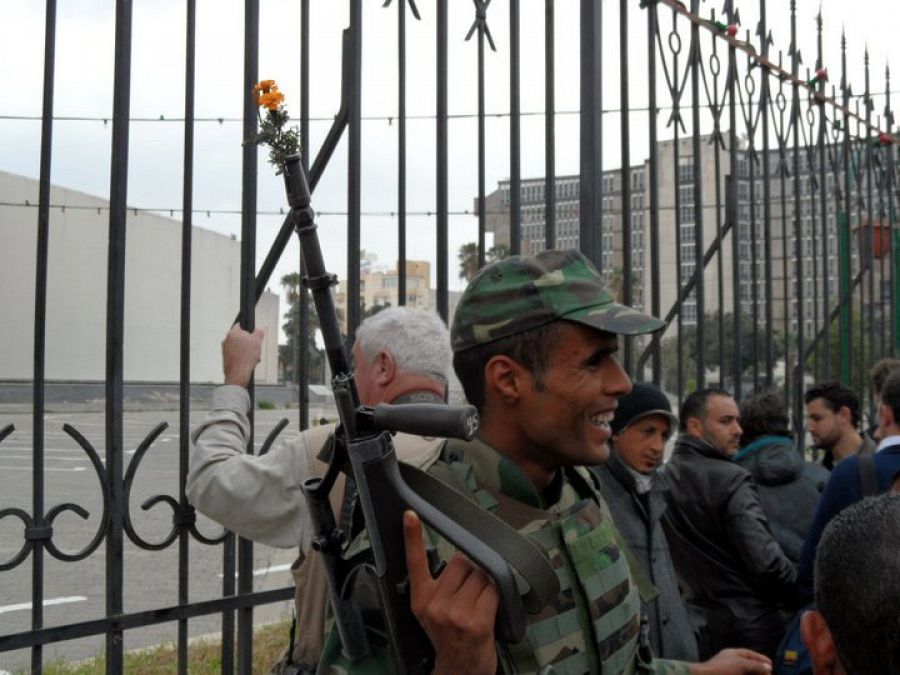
(260, 498)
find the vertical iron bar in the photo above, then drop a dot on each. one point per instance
(798, 234)
(813, 237)
(591, 145)
(884, 295)
(826, 266)
(40, 328)
(550, 123)
(115, 330)
(248, 278)
(785, 267)
(754, 262)
(735, 225)
(301, 362)
(625, 192)
(354, 170)
(184, 377)
(895, 235)
(515, 136)
(482, 221)
(846, 334)
(862, 259)
(764, 96)
(441, 156)
(865, 390)
(401, 152)
(720, 258)
(653, 184)
(676, 171)
(228, 587)
(700, 288)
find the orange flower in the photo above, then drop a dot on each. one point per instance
(264, 86)
(270, 100)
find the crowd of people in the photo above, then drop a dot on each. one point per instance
(695, 564)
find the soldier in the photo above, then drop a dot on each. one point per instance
(534, 341)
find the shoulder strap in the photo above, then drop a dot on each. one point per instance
(520, 552)
(868, 480)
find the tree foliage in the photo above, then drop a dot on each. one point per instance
(315, 356)
(468, 258)
(715, 353)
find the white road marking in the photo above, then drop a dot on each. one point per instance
(55, 459)
(264, 570)
(28, 468)
(50, 601)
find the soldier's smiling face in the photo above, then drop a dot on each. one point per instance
(566, 413)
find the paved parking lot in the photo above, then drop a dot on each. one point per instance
(75, 592)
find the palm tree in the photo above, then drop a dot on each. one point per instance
(468, 260)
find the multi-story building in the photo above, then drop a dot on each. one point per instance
(380, 288)
(812, 257)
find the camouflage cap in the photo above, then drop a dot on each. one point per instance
(521, 293)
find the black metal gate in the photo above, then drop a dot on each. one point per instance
(775, 189)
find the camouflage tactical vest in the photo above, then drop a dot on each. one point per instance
(594, 625)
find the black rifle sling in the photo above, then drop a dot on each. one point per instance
(521, 553)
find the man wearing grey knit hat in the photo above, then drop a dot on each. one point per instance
(635, 493)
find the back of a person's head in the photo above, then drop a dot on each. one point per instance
(857, 581)
(880, 372)
(890, 395)
(694, 405)
(763, 414)
(418, 340)
(836, 396)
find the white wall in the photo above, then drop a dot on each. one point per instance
(76, 292)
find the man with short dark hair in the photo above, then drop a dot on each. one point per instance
(734, 574)
(789, 486)
(845, 487)
(832, 419)
(877, 377)
(855, 628)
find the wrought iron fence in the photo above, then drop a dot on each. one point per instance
(724, 224)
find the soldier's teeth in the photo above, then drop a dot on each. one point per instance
(602, 418)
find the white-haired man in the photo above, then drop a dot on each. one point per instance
(401, 355)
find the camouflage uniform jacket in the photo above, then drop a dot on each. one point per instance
(594, 626)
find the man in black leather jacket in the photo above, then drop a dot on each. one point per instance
(735, 576)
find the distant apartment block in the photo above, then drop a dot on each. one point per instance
(811, 257)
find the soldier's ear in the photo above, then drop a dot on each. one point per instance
(503, 379)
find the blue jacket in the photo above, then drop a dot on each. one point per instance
(843, 489)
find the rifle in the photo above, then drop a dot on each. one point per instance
(363, 449)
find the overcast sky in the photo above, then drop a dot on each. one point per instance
(84, 77)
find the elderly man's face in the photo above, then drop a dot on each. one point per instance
(565, 416)
(641, 445)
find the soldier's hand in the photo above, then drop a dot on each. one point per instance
(456, 610)
(241, 351)
(734, 662)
